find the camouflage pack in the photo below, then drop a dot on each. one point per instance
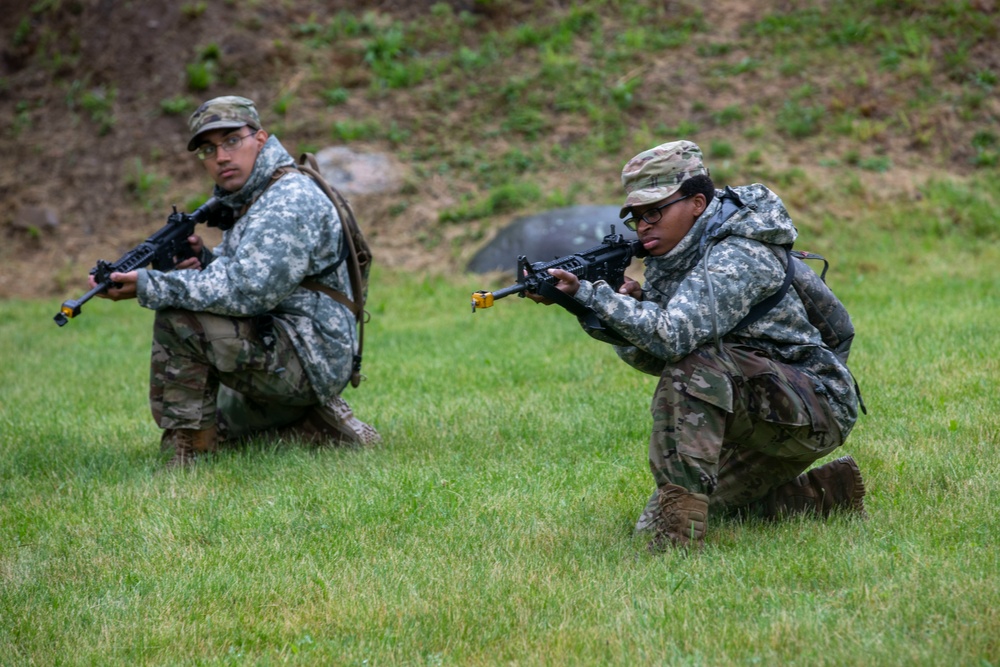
(826, 312)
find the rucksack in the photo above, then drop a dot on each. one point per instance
(825, 311)
(356, 253)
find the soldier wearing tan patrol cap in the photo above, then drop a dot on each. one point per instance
(222, 113)
(654, 175)
(749, 395)
(251, 336)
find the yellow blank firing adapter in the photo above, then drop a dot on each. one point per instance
(481, 300)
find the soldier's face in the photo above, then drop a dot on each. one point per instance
(230, 165)
(675, 222)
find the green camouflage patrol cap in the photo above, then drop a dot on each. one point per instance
(230, 111)
(654, 175)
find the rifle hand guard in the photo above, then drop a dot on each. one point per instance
(606, 261)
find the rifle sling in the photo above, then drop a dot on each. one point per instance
(585, 314)
(552, 293)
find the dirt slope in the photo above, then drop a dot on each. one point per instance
(91, 160)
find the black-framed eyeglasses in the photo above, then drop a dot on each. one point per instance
(229, 144)
(653, 215)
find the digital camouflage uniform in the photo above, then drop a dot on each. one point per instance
(733, 424)
(244, 321)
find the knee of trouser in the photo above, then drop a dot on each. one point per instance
(695, 379)
(176, 324)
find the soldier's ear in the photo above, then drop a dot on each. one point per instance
(260, 136)
(700, 204)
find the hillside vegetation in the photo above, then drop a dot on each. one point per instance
(494, 109)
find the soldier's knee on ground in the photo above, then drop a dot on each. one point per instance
(332, 423)
(835, 486)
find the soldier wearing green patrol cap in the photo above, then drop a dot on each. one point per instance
(749, 396)
(255, 335)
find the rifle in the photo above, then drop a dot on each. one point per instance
(606, 262)
(167, 247)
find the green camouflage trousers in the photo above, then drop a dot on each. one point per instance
(208, 369)
(734, 426)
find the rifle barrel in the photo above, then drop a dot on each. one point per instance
(483, 299)
(71, 307)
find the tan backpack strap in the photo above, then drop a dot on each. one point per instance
(336, 295)
(359, 315)
(307, 164)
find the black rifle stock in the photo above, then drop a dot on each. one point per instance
(164, 250)
(606, 262)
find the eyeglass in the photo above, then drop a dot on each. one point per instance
(229, 144)
(653, 215)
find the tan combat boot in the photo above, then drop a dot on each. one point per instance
(185, 444)
(650, 516)
(332, 423)
(683, 518)
(834, 486)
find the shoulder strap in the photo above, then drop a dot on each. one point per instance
(760, 309)
(278, 173)
(308, 165)
(729, 203)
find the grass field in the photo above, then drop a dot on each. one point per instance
(493, 525)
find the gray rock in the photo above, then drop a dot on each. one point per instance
(36, 219)
(548, 235)
(358, 173)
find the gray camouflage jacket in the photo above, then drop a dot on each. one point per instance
(291, 231)
(675, 316)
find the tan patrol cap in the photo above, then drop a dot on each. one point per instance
(657, 173)
(230, 111)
